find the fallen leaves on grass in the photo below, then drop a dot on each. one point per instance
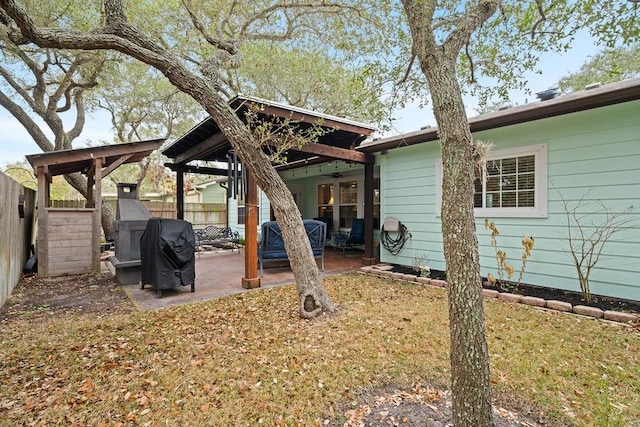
(250, 359)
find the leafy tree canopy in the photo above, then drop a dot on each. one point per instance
(608, 66)
(323, 56)
(22, 172)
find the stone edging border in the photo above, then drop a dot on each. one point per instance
(382, 270)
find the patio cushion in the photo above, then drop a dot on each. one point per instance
(272, 245)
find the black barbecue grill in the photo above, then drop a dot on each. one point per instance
(167, 253)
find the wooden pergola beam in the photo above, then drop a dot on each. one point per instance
(201, 150)
(123, 159)
(296, 116)
(335, 153)
(197, 169)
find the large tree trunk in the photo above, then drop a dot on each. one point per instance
(312, 295)
(470, 376)
(470, 382)
(313, 299)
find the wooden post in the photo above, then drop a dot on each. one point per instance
(179, 194)
(42, 243)
(369, 257)
(91, 177)
(97, 214)
(251, 278)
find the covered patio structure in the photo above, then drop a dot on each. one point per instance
(206, 143)
(68, 239)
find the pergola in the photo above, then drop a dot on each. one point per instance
(206, 142)
(69, 238)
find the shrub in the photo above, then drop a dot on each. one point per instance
(501, 258)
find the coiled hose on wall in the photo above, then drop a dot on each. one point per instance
(394, 244)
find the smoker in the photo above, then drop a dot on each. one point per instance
(168, 248)
(130, 223)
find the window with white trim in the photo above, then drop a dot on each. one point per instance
(325, 200)
(348, 199)
(513, 183)
(242, 211)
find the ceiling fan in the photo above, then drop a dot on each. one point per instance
(334, 175)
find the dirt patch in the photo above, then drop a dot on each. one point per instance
(425, 406)
(38, 298)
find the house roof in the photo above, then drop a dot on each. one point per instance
(206, 142)
(614, 93)
(81, 159)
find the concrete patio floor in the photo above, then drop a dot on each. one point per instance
(218, 273)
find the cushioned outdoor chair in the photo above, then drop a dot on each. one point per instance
(271, 245)
(354, 238)
(329, 221)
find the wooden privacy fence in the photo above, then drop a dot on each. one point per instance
(16, 231)
(199, 215)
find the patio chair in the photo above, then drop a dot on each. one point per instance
(354, 238)
(329, 221)
(271, 246)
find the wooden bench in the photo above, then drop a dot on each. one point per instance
(271, 245)
(218, 237)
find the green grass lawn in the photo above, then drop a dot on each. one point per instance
(249, 359)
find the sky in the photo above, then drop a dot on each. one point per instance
(15, 142)
(553, 67)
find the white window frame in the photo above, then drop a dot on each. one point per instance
(540, 210)
(318, 205)
(356, 204)
(336, 197)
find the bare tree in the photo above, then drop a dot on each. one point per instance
(587, 238)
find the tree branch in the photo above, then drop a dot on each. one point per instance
(472, 69)
(76, 130)
(118, 35)
(418, 12)
(472, 18)
(264, 14)
(299, 10)
(227, 45)
(4, 73)
(408, 70)
(541, 19)
(64, 86)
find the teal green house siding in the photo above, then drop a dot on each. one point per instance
(264, 209)
(593, 163)
(407, 192)
(214, 194)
